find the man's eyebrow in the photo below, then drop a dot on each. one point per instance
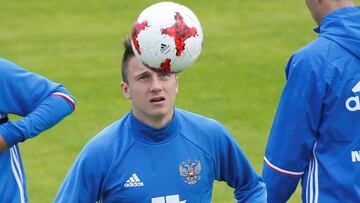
(142, 74)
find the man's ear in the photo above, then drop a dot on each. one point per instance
(125, 90)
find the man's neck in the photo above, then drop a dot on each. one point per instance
(157, 123)
(153, 121)
(335, 5)
(328, 6)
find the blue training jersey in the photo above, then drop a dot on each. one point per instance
(42, 104)
(316, 132)
(131, 162)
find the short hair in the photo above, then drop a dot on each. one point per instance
(128, 53)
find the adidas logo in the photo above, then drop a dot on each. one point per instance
(134, 181)
(353, 103)
(356, 88)
(164, 48)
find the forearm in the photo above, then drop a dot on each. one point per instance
(52, 110)
(255, 193)
(236, 170)
(280, 186)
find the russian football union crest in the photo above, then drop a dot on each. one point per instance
(190, 170)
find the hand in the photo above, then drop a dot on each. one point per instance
(3, 145)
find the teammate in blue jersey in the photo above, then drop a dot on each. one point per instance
(42, 104)
(316, 132)
(157, 153)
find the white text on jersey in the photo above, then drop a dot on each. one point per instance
(355, 156)
(167, 199)
(353, 103)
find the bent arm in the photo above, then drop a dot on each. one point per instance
(234, 168)
(41, 103)
(84, 179)
(48, 113)
(249, 186)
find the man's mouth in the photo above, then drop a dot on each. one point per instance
(157, 99)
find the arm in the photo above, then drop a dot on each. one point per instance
(48, 113)
(234, 168)
(83, 181)
(293, 135)
(41, 102)
(3, 145)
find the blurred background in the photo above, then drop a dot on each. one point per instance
(237, 80)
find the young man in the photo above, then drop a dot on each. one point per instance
(42, 104)
(157, 153)
(316, 132)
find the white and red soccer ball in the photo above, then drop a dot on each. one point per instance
(167, 36)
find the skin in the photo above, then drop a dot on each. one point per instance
(152, 94)
(3, 145)
(319, 8)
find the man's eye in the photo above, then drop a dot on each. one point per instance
(164, 74)
(143, 77)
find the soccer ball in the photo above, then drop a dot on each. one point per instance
(167, 36)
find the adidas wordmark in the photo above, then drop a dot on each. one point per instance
(134, 181)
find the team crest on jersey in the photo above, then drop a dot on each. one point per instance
(190, 170)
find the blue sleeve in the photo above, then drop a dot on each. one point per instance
(49, 112)
(234, 168)
(41, 102)
(83, 181)
(295, 127)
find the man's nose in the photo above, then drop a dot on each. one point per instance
(155, 85)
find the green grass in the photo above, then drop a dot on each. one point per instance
(237, 80)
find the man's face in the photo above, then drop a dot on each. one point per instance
(152, 94)
(315, 9)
